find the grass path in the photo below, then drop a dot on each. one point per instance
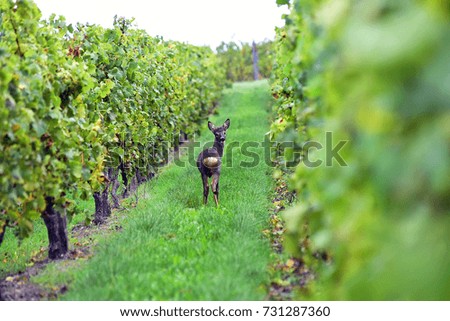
(172, 247)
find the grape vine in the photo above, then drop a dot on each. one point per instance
(79, 103)
(375, 74)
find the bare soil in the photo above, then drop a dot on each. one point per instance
(292, 275)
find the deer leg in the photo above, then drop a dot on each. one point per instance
(205, 188)
(215, 188)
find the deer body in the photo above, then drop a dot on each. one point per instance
(209, 161)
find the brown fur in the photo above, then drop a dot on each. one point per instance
(209, 161)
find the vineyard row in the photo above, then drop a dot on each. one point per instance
(82, 105)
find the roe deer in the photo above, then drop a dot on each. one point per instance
(209, 161)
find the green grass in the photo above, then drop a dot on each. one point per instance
(172, 247)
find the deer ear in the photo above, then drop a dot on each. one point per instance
(211, 126)
(226, 125)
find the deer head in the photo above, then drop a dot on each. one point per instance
(220, 133)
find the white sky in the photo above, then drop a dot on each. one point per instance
(199, 22)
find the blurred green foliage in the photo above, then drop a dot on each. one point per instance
(75, 100)
(376, 74)
(237, 60)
